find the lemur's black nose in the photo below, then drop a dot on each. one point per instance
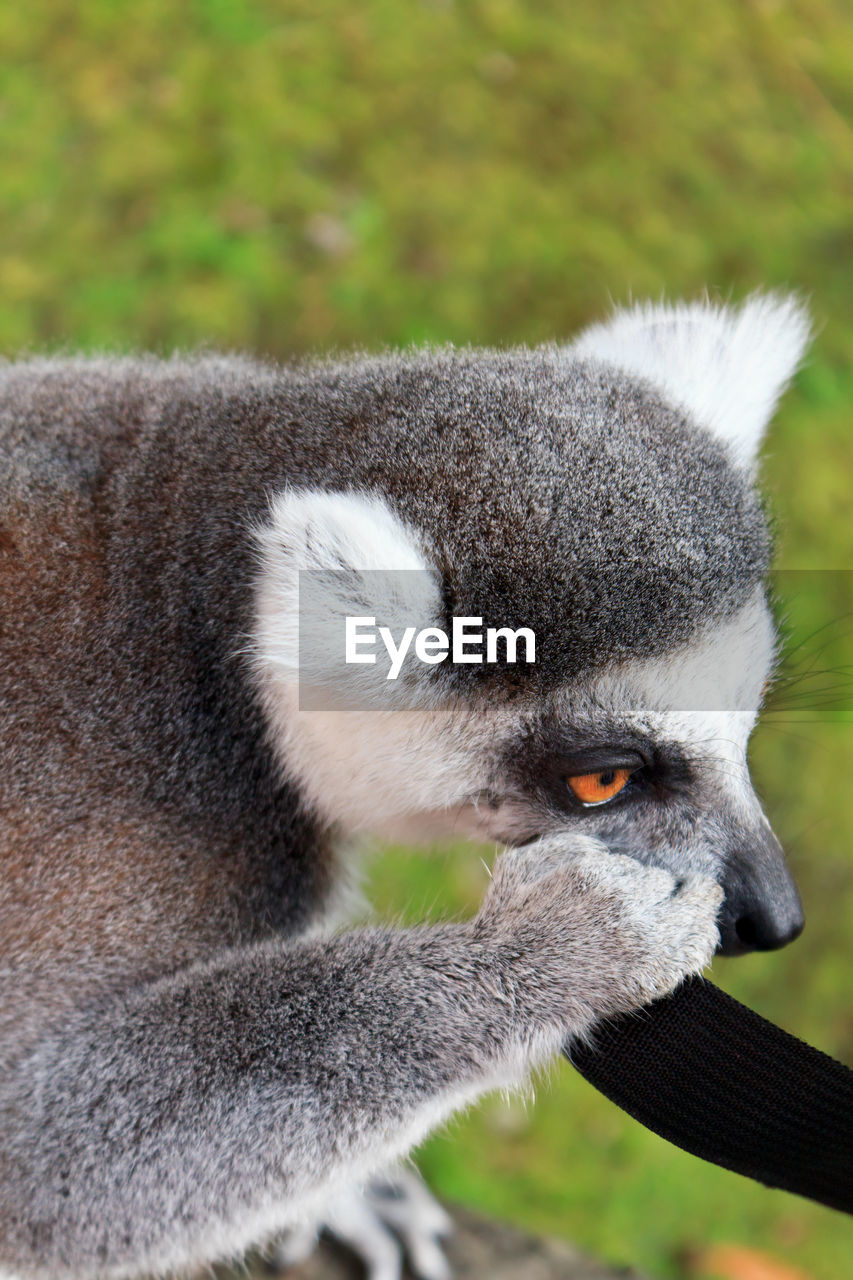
(757, 929)
(762, 909)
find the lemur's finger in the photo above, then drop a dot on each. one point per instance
(426, 1257)
(599, 866)
(405, 1204)
(543, 857)
(355, 1224)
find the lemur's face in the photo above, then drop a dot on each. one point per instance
(616, 515)
(650, 756)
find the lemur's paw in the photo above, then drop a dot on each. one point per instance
(674, 918)
(581, 933)
(389, 1218)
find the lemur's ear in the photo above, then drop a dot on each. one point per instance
(727, 366)
(325, 557)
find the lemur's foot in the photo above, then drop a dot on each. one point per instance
(389, 1218)
(577, 933)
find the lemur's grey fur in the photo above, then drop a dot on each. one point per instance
(180, 1072)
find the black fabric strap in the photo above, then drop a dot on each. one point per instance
(723, 1083)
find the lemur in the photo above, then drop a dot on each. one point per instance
(193, 1060)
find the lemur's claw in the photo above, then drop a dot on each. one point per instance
(390, 1217)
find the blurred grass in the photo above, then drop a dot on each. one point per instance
(288, 176)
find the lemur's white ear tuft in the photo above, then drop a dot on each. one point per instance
(727, 366)
(325, 557)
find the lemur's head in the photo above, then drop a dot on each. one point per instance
(601, 497)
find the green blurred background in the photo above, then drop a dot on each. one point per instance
(286, 177)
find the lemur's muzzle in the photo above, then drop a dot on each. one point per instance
(761, 910)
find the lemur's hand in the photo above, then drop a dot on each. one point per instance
(578, 933)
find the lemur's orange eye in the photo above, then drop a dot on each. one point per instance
(598, 788)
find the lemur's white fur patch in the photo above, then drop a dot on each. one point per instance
(390, 757)
(727, 366)
(706, 694)
(324, 557)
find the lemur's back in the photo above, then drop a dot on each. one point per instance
(142, 823)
